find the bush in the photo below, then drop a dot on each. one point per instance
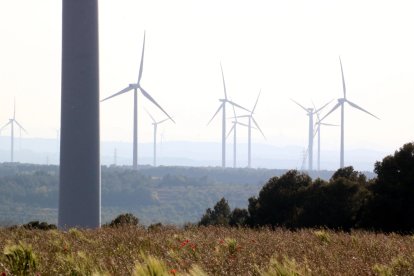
(220, 215)
(127, 219)
(39, 225)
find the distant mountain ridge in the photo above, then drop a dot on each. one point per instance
(185, 153)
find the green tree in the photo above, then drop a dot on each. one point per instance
(391, 207)
(239, 217)
(127, 219)
(279, 201)
(337, 203)
(220, 215)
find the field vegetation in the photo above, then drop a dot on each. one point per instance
(212, 250)
(293, 225)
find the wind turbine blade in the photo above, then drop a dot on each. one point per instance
(215, 114)
(141, 66)
(3, 127)
(243, 116)
(343, 78)
(224, 83)
(234, 111)
(239, 106)
(316, 131)
(148, 96)
(246, 125)
(119, 93)
(17, 123)
(360, 108)
(231, 129)
(335, 107)
(257, 125)
(329, 124)
(254, 107)
(162, 121)
(317, 111)
(304, 108)
(14, 109)
(149, 114)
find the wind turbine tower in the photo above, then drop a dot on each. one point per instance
(11, 122)
(249, 126)
(155, 125)
(135, 87)
(310, 112)
(80, 175)
(223, 124)
(341, 103)
(234, 130)
(318, 125)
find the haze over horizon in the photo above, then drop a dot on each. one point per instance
(287, 49)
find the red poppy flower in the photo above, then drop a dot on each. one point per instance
(184, 243)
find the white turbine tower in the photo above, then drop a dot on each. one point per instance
(234, 130)
(318, 125)
(223, 106)
(341, 103)
(137, 86)
(11, 122)
(249, 126)
(155, 125)
(310, 112)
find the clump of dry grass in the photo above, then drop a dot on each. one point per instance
(213, 251)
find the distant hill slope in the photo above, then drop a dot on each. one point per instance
(155, 194)
(194, 154)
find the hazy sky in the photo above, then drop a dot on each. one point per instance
(289, 49)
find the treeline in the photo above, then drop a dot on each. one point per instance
(174, 195)
(347, 201)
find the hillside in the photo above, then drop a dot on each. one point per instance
(174, 195)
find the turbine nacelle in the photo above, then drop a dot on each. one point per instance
(341, 100)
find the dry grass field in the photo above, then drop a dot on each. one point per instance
(203, 251)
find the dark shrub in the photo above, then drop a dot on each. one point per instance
(39, 225)
(127, 219)
(220, 215)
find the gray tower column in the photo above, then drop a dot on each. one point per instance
(223, 138)
(342, 158)
(80, 189)
(12, 142)
(249, 146)
(310, 142)
(155, 144)
(135, 134)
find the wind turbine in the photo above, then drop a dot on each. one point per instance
(137, 86)
(310, 112)
(249, 125)
(155, 124)
(318, 125)
(341, 103)
(234, 129)
(223, 126)
(11, 122)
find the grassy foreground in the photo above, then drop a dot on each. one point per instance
(203, 251)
